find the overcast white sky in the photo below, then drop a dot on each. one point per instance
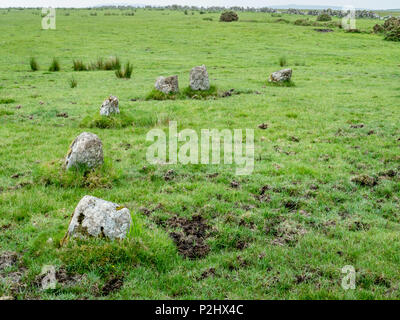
(373, 4)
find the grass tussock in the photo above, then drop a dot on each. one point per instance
(126, 72)
(198, 94)
(115, 121)
(79, 66)
(283, 61)
(324, 17)
(33, 64)
(55, 174)
(55, 65)
(184, 94)
(6, 101)
(73, 83)
(289, 83)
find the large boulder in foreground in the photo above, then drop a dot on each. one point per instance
(199, 78)
(167, 84)
(281, 76)
(86, 150)
(109, 106)
(94, 217)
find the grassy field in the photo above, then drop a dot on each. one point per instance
(283, 232)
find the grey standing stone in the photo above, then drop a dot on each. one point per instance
(99, 218)
(109, 106)
(167, 84)
(199, 78)
(87, 149)
(281, 75)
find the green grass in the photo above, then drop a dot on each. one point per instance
(324, 192)
(120, 120)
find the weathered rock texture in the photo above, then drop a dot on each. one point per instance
(99, 218)
(109, 106)
(281, 75)
(167, 84)
(199, 78)
(86, 150)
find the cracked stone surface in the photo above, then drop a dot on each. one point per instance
(281, 75)
(100, 218)
(167, 84)
(199, 78)
(87, 150)
(109, 106)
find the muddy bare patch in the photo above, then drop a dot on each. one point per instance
(207, 273)
(323, 30)
(8, 259)
(190, 236)
(365, 180)
(285, 232)
(112, 285)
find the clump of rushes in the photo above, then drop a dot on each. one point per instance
(55, 65)
(112, 64)
(73, 83)
(126, 72)
(282, 61)
(79, 65)
(34, 65)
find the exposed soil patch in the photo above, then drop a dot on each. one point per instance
(285, 232)
(63, 278)
(357, 126)
(206, 274)
(263, 126)
(112, 285)
(62, 115)
(235, 184)
(323, 30)
(365, 180)
(190, 236)
(227, 93)
(8, 259)
(358, 226)
(169, 175)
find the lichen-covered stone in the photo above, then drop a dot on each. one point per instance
(94, 217)
(281, 75)
(199, 78)
(167, 84)
(109, 106)
(86, 150)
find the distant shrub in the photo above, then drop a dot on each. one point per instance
(34, 65)
(208, 19)
(186, 12)
(393, 34)
(282, 20)
(303, 22)
(114, 121)
(131, 14)
(55, 66)
(282, 61)
(126, 72)
(228, 16)
(73, 83)
(79, 65)
(324, 17)
(391, 23)
(378, 28)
